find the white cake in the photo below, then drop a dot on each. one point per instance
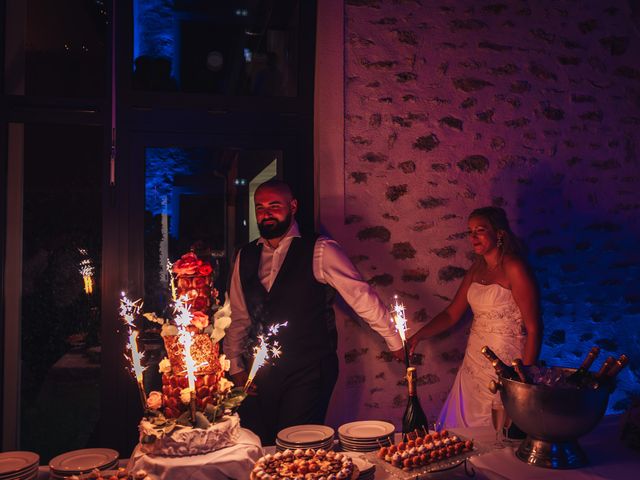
(188, 440)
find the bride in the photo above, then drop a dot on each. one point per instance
(503, 297)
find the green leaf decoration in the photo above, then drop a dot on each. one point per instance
(201, 421)
(184, 419)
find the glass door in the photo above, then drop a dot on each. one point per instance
(52, 290)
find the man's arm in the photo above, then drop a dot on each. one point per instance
(237, 333)
(332, 266)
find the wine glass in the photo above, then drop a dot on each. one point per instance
(507, 426)
(499, 420)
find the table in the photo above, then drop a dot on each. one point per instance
(609, 459)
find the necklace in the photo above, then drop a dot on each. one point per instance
(487, 272)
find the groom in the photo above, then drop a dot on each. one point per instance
(284, 276)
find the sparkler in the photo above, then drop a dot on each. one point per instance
(172, 280)
(128, 311)
(86, 270)
(183, 319)
(400, 320)
(265, 350)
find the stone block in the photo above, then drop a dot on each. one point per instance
(378, 233)
(474, 164)
(451, 273)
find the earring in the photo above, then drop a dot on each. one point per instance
(500, 242)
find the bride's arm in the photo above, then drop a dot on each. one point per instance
(449, 316)
(525, 294)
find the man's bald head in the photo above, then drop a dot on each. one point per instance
(276, 185)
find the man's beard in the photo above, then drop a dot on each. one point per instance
(275, 229)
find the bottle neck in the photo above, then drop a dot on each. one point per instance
(411, 381)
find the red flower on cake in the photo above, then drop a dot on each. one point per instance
(187, 265)
(189, 257)
(200, 320)
(205, 269)
(199, 282)
(199, 303)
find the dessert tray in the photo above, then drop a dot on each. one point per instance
(436, 463)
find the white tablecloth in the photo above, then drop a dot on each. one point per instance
(232, 462)
(608, 457)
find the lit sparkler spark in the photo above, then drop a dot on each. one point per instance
(171, 280)
(183, 318)
(86, 270)
(128, 311)
(265, 351)
(400, 321)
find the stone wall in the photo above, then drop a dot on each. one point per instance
(531, 106)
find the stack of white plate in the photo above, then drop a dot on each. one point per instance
(79, 462)
(366, 435)
(305, 436)
(19, 465)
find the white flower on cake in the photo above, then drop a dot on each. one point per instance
(185, 395)
(164, 366)
(224, 385)
(154, 400)
(225, 364)
(221, 320)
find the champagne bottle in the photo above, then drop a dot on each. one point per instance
(414, 417)
(617, 366)
(601, 374)
(581, 375)
(519, 368)
(501, 368)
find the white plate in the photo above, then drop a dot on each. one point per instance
(372, 441)
(305, 434)
(326, 446)
(13, 462)
(293, 446)
(65, 474)
(23, 475)
(366, 429)
(83, 460)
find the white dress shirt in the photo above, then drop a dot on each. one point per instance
(330, 266)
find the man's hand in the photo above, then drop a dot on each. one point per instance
(239, 379)
(412, 343)
(399, 354)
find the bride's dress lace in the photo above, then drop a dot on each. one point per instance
(497, 322)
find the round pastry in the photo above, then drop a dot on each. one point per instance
(305, 464)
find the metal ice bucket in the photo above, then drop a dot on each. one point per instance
(553, 419)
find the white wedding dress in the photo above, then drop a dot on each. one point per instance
(497, 322)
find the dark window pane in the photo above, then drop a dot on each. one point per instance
(235, 48)
(200, 199)
(65, 51)
(60, 313)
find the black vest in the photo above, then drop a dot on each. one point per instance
(295, 297)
